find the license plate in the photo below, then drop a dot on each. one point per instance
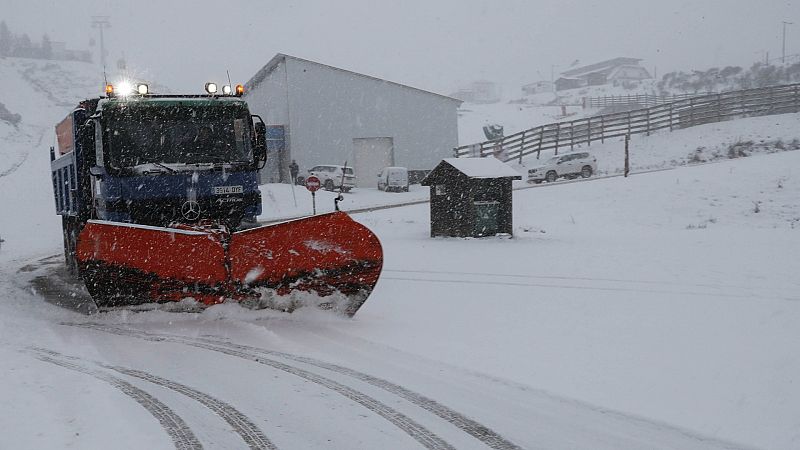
(220, 190)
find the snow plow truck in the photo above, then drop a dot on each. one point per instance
(158, 196)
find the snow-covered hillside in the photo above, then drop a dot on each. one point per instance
(654, 311)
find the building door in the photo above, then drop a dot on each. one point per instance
(370, 156)
(486, 213)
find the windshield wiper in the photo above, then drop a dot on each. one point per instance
(171, 170)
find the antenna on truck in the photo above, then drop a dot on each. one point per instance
(229, 76)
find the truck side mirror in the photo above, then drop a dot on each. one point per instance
(261, 141)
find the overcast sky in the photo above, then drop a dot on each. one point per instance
(430, 44)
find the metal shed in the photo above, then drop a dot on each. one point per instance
(332, 115)
(471, 197)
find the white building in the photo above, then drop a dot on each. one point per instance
(481, 91)
(333, 116)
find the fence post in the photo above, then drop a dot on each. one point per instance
(627, 159)
(719, 107)
(558, 135)
(629, 122)
(670, 115)
(589, 130)
(602, 129)
(541, 139)
(572, 135)
(647, 121)
(691, 111)
(522, 146)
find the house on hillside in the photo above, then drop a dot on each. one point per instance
(612, 71)
(538, 87)
(317, 114)
(481, 91)
(562, 84)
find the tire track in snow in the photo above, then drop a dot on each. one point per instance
(464, 423)
(240, 423)
(421, 434)
(180, 433)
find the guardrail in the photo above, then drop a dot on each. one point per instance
(680, 114)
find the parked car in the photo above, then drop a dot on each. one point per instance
(332, 178)
(393, 179)
(569, 165)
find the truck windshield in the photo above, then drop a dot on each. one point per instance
(177, 133)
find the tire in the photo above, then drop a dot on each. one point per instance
(70, 228)
(586, 172)
(328, 185)
(551, 176)
(405, 189)
(537, 181)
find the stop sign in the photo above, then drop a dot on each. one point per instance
(312, 183)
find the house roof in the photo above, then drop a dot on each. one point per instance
(599, 67)
(281, 57)
(477, 168)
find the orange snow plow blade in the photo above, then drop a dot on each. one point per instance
(330, 255)
(330, 261)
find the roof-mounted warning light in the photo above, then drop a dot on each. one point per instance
(226, 89)
(239, 90)
(211, 88)
(142, 89)
(109, 90)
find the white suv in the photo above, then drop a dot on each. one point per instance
(569, 165)
(331, 177)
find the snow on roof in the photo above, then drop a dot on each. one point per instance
(482, 167)
(253, 83)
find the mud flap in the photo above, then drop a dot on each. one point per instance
(329, 260)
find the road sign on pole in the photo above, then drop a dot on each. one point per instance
(313, 184)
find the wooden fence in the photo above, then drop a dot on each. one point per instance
(675, 115)
(643, 100)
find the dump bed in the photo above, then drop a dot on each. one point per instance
(67, 160)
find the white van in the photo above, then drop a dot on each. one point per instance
(393, 179)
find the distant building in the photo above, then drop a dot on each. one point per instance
(538, 87)
(481, 91)
(563, 84)
(616, 71)
(319, 114)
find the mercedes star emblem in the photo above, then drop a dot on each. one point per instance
(191, 210)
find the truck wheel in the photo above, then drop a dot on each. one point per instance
(328, 185)
(70, 228)
(551, 176)
(586, 172)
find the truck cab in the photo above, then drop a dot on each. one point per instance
(158, 160)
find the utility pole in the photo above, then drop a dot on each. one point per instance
(101, 22)
(783, 57)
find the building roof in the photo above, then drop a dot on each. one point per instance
(599, 67)
(281, 57)
(478, 168)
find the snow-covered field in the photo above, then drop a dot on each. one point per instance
(655, 311)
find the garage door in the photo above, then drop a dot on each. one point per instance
(370, 156)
